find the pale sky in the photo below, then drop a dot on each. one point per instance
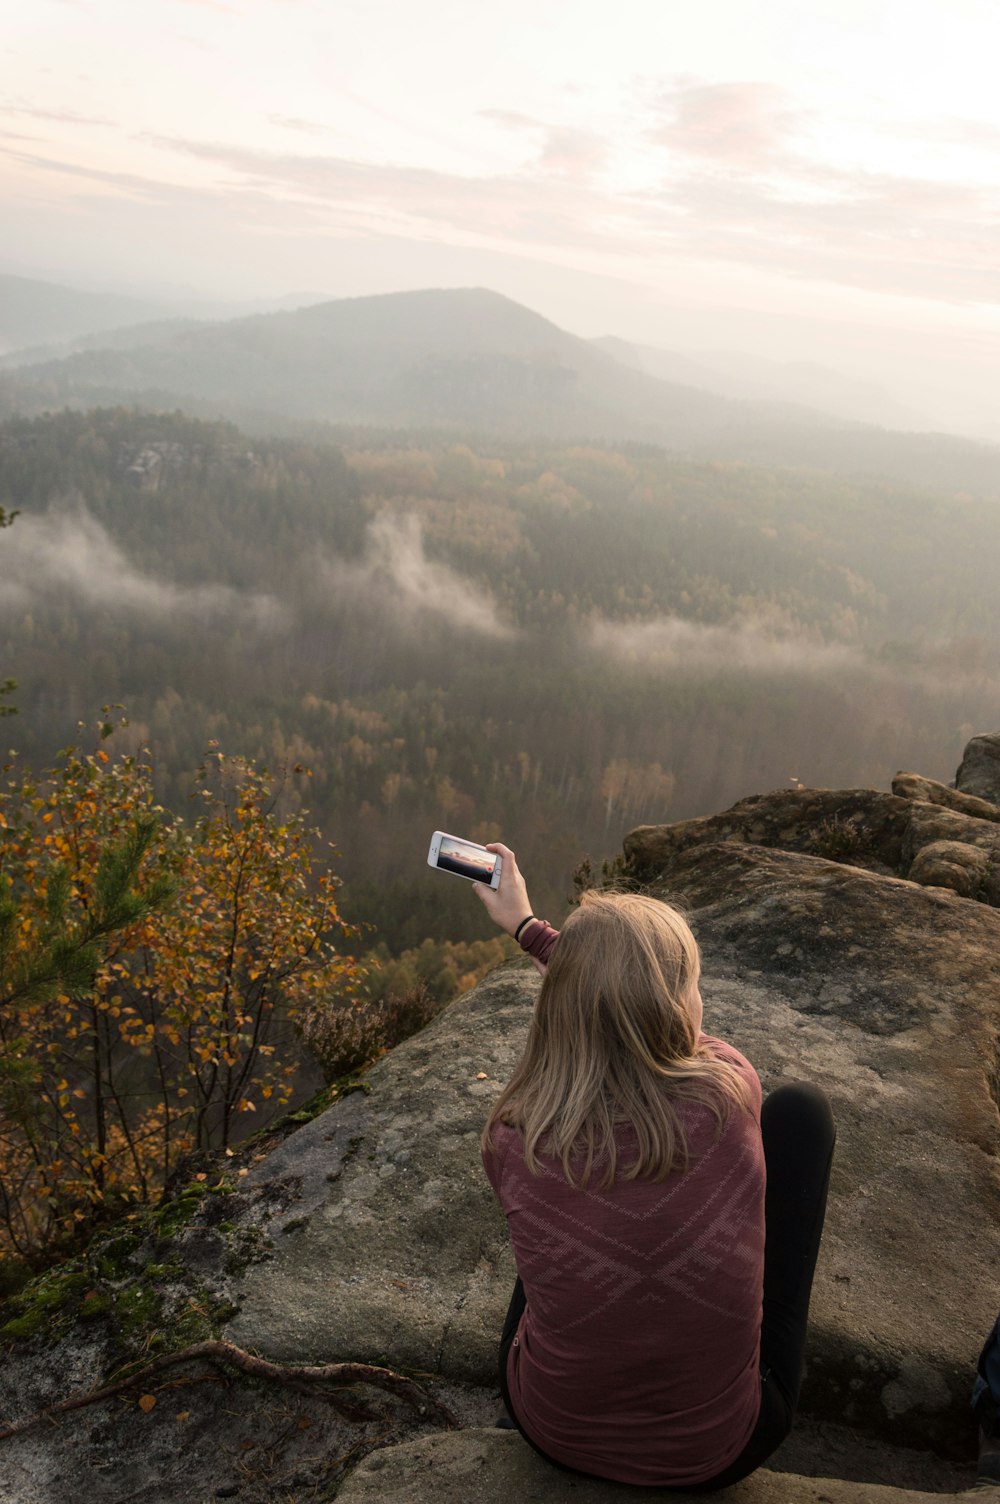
(804, 180)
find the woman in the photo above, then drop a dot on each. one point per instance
(649, 1338)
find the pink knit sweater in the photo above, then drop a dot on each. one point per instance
(637, 1355)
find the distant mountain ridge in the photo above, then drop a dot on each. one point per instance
(470, 359)
(37, 313)
(121, 337)
(42, 320)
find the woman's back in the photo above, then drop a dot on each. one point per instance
(637, 1356)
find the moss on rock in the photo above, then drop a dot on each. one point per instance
(47, 1303)
(134, 1286)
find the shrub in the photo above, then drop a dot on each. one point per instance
(152, 974)
(346, 1039)
(837, 839)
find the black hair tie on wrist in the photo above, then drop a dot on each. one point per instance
(517, 932)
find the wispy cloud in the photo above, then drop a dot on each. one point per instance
(772, 643)
(567, 150)
(69, 553)
(746, 645)
(739, 124)
(737, 184)
(575, 153)
(738, 163)
(62, 117)
(134, 184)
(980, 133)
(732, 173)
(229, 10)
(294, 123)
(398, 576)
(353, 196)
(511, 118)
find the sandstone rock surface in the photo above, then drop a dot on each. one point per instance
(915, 786)
(824, 959)
(396, 1250)
(861, 826)
(951, 864)
(882, 833)
(888, 996)
(885, 993)
(979, 770)
(491, 1467)
(932, 822)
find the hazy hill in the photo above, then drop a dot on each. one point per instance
(36, 313)
(464, 356)
(45, 321)
(125, 337)
(474, 361)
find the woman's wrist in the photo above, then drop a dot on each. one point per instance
(525, 921)
(538, 939)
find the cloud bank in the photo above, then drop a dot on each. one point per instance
(70, 553)
(756, 645)
(397, 573)
(672, 644)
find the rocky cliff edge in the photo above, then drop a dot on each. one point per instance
(836, 949)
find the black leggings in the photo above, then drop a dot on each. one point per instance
(798, 1132)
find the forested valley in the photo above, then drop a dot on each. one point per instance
(535, 642)
(231, 651)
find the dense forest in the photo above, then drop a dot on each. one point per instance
(537, 642)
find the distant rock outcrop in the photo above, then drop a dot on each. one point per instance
(923, 831)
(848, 938)
(914, 786)
(979, 771)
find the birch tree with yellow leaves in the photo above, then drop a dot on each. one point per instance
(156, 975)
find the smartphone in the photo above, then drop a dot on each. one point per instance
(464, 858)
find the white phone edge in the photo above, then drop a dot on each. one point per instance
(435, 847)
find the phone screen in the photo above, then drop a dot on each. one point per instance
(467, 859)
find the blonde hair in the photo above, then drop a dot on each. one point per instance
(613, 1041)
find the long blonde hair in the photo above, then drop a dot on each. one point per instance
(613, 1040)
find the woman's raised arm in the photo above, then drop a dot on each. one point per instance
(508, 905)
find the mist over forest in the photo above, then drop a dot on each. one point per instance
(540, 638)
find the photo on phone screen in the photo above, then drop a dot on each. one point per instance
(464, 858)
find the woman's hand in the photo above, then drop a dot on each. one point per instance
(509, 903)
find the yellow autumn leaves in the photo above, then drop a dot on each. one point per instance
(155, 977)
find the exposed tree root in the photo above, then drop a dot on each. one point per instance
(293, 1375)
